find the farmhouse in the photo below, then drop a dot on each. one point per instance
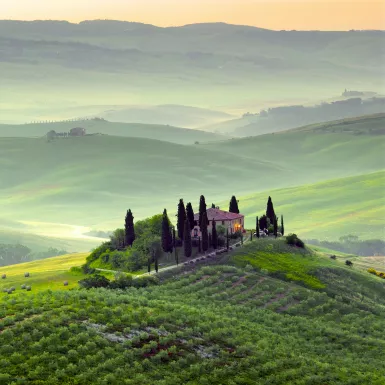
(232, 221)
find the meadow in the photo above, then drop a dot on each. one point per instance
(282, 330)
(89, 182)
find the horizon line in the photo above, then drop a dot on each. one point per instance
(190, 24)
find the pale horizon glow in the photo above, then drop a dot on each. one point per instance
(272, 14)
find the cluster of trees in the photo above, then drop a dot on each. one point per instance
(268, 222)
(12, 254)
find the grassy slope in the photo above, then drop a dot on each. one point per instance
(90, 181)
(134, 130)
(45, 274)
(215, 325)
(327, 210)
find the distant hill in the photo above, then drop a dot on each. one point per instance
(90, 181)
(134, 130)
(286, 117)
(52, 65)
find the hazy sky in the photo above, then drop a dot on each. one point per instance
(274, 14)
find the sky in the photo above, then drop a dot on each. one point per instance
(272, 14)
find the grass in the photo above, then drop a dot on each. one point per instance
(89, 182)
(327, 210)
(44, 274)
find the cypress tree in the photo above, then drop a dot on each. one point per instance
(210, 240)
(282, 227)
(181, 219)
(212, 205)
(156, 264)
(257, 230)
(227, 239)
(251, 235)
(149, 265)
(166, 234)
(190, 215)
(214, 235)
(276, 227)
(187, 246)
(174, 245)
(270, 211)
(263, 222)
(204, 231)
(202, 208)
(233, 207)
(199, 245)
(129, 230)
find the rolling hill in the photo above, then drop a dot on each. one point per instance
(215, 66)
(320, 323)
(133, 130)
(89, 182)
(327, 210)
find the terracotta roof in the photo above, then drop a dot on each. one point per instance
(219, 215)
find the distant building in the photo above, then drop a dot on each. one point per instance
(77, 131)
(233, 222)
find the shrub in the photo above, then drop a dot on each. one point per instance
(348, 263)
(121, 281)
(293, 240)
(146, 280)
(333, 257)
(94, 281)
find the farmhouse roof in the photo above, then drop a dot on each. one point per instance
(219, 215)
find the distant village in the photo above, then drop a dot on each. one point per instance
(76, 131)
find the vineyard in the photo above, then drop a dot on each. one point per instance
(178, 332)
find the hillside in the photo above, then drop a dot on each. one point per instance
(215, 66)
(49, 186)
(134, 130)
(327, 210)
(178, 332)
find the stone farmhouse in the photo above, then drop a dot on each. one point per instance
(233, 222)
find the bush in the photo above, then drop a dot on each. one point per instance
(333, 257)
(121, 281)
(293, 240)
(94, 281)
(348, 263)
(146, 280)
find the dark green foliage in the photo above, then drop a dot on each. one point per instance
(264, 222)
(270, 211)
(156, 265)
(214, 235)
(96, 253)
(202, 208)
(174, 245)
(187, 246)
(199, 245)
(348, 263)
(167, 243)
(227, 239)
(129, 229)
(118, 239)
(94, 281)
(257, 228)
(282, 226)
(204, 231)
(149, 265)
(213, 206)
(190, 215)
(233, 207)
(181, 219)
(251, 235)
(275, 227)
(293, 240)
(122, 281)
(210, 240)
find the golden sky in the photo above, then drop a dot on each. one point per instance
(273, 14)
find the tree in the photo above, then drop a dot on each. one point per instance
(156, 252)
(117, 239)
(166, 234)
(276, 227)
(263, 222)
(187, 246)
(174, 245)
(149, 265)
(257, 228)
(190, 215)
(214, 235)
(282, 227)
(202, 208)
(181, 219)
(204, 231)
(227, 239)
(210, 240)
(212, 205)
(233, 207)
(270, 210)
(129, 229)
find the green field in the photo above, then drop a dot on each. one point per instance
(69, 186)
(256, 323)
(327, 210)
(133, 130)
(45, 274)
